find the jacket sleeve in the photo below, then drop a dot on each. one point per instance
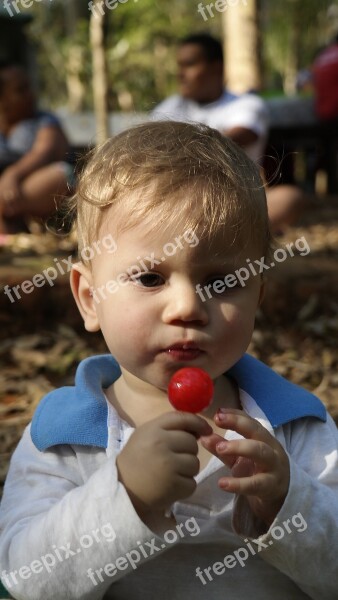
(58, 531)
(302, 541)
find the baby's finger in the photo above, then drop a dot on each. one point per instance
(260, 484)
(183, 421)
(188, 465)
(210, 443)
(259, 452)
(239, 421)
(243, 467)
(180, 442)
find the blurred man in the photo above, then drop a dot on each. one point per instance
(202, 98)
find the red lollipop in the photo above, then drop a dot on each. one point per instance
(190, 389)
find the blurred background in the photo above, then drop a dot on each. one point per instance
(99, 70)
(52, 38)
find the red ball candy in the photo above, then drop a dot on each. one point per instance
(190, 389)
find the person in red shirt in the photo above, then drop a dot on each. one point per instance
(325, 81)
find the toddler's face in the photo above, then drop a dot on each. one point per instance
(148, 307)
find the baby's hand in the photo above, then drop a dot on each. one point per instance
(158, 464)
(259, 464)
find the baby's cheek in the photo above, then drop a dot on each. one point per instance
(133, 331)
(233, 316)
(237, 325)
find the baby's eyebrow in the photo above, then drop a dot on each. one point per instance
(224, 262)
(150, 261)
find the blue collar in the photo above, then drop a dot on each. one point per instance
(78, 414)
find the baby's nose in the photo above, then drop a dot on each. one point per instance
(184, 304)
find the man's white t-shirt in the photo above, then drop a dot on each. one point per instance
(228, 111)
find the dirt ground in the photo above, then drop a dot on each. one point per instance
(42, 337)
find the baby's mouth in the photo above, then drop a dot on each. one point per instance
(184, 351)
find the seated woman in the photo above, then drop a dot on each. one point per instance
(34, 173)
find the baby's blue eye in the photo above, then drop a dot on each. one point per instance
(148, 279)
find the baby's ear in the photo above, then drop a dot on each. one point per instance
(81, 286)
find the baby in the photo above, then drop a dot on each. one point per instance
(111, 493)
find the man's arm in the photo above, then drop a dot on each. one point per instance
(242, 136)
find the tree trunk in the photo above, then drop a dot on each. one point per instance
(74, 11)
(293, 55)
(100, 85)
(160, 58)
(242, 45)
(75, 87)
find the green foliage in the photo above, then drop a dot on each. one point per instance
(141, 41)
(141, 38)
(292, 27)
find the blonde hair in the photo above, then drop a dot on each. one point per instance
(181, 171)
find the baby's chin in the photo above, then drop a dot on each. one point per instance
(149, 376)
